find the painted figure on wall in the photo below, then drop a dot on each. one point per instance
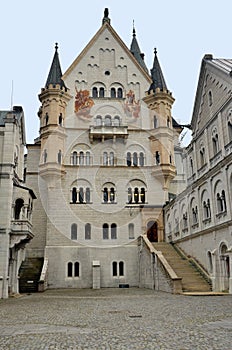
(83, 104)
(131, 106)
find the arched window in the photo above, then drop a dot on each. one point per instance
(74, 195)
(202, 156)
(59, 156)
(223, 198)
(131, 231)
(87, 195)
(170, 158)
(98, 120)
(112, 195)
(121, 268)
(219, 203)
(76, 269)
(46, 119)
(45, 156)
(112, 93)
(135, 159)
(105, 158)
(101, 92)
(19, 203)
(141, 159)
(105, 195)
(155, 122)
(136, 195)
(168, 122)
(74, 158)
(230, 130)
(114, 268)
(157, 157)
(94, 92)
(81, 195)
(105, 231)
(69, 270)
(87, 158)
(88, 231)
(116, 121)
(210, 98)
(74, 231)
(142, 195)
(215, 141)
(128, 159)
(191, 166)
(60, 120)
(129, 195)
(113, 231)
(209, 254)
(119, 93)
(81, 158)
(111, 160)
(107, 120)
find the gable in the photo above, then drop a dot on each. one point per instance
(106, 61)
(213, 91)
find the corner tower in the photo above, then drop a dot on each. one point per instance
(159, 101)
(54, 98)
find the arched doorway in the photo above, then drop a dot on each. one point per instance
(225, 267)
(152, 231)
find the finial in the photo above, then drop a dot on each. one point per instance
(134, 28)
(56, 46)
(106, 16)
(155, 51)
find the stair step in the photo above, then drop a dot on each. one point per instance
(29, 275)
(191, 278)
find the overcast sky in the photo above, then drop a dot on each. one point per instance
(183, 31)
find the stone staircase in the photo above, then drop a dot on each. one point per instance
(29, 275)
(192, 280)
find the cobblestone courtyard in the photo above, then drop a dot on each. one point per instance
(115, 319)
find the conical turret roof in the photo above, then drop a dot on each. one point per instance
(135, 50)
(157, 75)
(55, 73)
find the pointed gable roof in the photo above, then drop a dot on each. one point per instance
(106, 25)
(135, 50)
(157, 75)
(55, 73)
(218, 66)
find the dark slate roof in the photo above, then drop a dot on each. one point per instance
(17, 111)
(157, 76)
(135, 50)
(55, 73)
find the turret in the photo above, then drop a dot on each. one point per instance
(160, 100)
(54, 98)
(135, 50)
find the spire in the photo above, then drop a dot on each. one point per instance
(157, 75)
(55, 73)
(135, 50)
(106, 16)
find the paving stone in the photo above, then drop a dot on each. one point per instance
(115, 319)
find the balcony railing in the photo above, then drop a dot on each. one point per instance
(104, 132)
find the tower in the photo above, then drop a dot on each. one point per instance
(160, 100)
(53, 97)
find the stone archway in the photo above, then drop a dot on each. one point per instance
(152, 231)
(225, 267)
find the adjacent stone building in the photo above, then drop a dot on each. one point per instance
(199, 219)
(16, 200)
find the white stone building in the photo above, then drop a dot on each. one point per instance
(16, 200)
(199, 219)
(102, 165)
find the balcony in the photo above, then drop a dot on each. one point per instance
(21, 232)
(106, 132)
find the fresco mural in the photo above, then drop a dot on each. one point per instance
(83, 104)
(131, 106)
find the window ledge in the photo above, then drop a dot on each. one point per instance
(221, 214)
(206, 220)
